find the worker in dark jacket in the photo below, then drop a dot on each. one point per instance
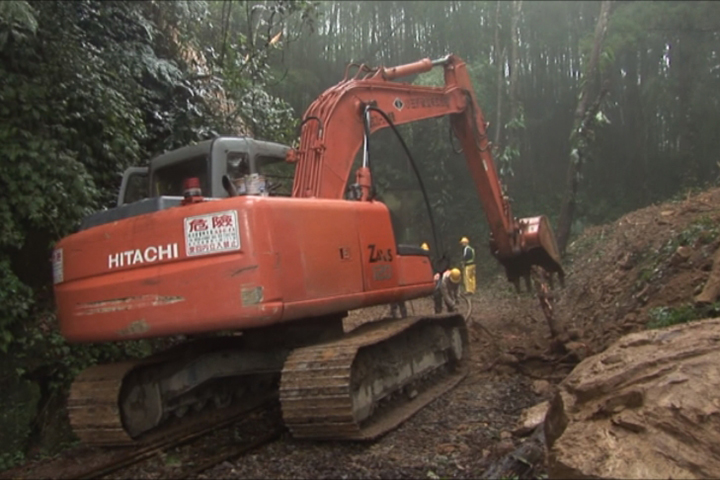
(468, 260)
(446, 290)
(398, 306)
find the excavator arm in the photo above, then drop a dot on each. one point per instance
(334, 129)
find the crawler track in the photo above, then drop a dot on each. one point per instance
(96, 396)
(357, 387)
(369, 382)
(93, 404)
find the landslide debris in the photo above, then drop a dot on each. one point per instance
(644, 270)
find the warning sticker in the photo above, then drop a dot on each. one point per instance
(57, 265)
(214, 233)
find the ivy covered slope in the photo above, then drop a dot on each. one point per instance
(88, 88)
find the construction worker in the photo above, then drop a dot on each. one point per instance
(446, 290)
(425, 247)
(468, 261)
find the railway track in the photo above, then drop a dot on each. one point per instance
(258, 423)
(231, 453)
(131, 456)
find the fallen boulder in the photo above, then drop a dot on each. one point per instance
(647, 407)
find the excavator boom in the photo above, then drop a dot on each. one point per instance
(333, 132)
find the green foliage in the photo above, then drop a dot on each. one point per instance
(242, 55)
(17, 412)
(511, 153)
(87, 89)
(666, 316)
(82, 99)
(15, 301)
(17, 21)
(41, 344)
(10, 460)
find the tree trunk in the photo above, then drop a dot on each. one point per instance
(514, 59)
(582, 118)
(683, 60)
(513, 135)
(499, 63)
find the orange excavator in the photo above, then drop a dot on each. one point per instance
(260, 283)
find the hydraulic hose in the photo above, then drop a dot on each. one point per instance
(415, 171)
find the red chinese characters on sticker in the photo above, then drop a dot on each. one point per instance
(222, 221)
(213, 233)
(199, 225)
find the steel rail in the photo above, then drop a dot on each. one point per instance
(142, 453)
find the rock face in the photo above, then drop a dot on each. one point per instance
(647, 407)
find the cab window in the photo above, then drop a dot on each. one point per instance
(238, 167)
(169, 179)
(136, 187)
(278, 174)
(238, 164)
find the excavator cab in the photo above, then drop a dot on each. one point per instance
(254, 166)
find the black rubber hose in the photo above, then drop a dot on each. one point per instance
(311, 117)
(415, 170)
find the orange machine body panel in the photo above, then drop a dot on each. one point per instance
(231, 264)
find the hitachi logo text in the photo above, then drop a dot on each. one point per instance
(149, 255)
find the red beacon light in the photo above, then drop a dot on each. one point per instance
(192, 192)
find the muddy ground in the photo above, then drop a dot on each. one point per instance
(643, 269)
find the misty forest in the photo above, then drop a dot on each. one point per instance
(602, 115)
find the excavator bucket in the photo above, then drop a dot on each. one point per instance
(538, 247)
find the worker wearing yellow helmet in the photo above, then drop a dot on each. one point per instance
(425, 247)
(447, 289)
(468, 261)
